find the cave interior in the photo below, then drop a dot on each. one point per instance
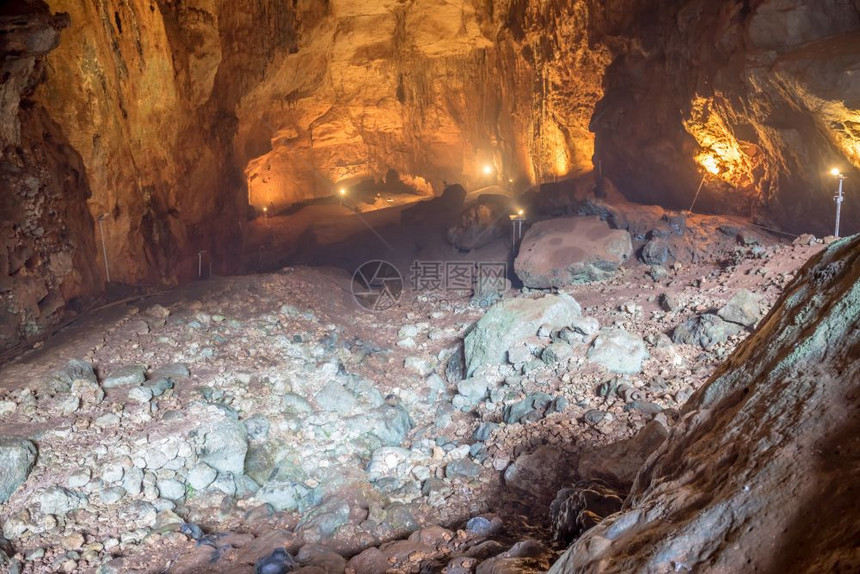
(460, 286)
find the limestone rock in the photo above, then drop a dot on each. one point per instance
(17, 457)
(744, 309)
(511, 321)
(560, 252)
(224, 446)
(125, 376)
(618, 351)
(704, 330)
(59, 501)
(537, 474)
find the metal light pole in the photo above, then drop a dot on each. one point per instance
(517, 229)
(838, 198)
(104, 245)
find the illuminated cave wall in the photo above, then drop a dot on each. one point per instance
(764, 95)
(168, 116)
(435, 90)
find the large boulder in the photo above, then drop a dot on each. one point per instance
(618, 351)
(560, 252)
(17, 457)
(760, 474)
(225, 444)
(704, 330)
(744, 309)
(481, 223)
(511, 321)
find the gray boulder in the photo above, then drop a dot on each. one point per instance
(538, 474)
(655, 252)
(704, 330)
(60, 501)
(618, 351)
(17, 457)
(131, 375)
(744, 309)
(511, 321)
(560, 252)
(334, 397)
(224, 446)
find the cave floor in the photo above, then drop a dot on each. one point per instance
(260, 353)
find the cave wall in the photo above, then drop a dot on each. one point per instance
(48, 257)
(434, 90)
(765, 93)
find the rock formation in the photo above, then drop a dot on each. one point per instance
(760, 472)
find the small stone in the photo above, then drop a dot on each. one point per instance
(17, 457)
(73, 541)
(474, 388)
(59, 501)
(484, 430)
(658, 272)
(594, 416)
(132, 482)
(112, 472)
(157, 312)
(618, 351)
(107, 420)
(125, 376)
(171, 489)
(670, 302)
(79, 478)
(418, 365)
(140, 394)
(464, 467)
(585, 325)
(112, 495)
(744, 309)
(408, 331)
(201, 476)
(704, 330)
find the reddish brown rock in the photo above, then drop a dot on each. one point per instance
(561, 252)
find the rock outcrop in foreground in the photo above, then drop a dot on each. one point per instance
(760, 473)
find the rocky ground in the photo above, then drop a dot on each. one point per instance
(202, 429)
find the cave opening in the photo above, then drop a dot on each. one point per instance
(433, 286)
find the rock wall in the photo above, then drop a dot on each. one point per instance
(760, 473)
(47, 247)
(758, 99)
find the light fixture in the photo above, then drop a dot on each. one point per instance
(838, 198)
(488, 169)
(709, 162)
(521, 212)
(342, 191)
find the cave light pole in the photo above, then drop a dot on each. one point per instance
(710, 167)
(517, 220)
(104, 245)
(838, 197)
